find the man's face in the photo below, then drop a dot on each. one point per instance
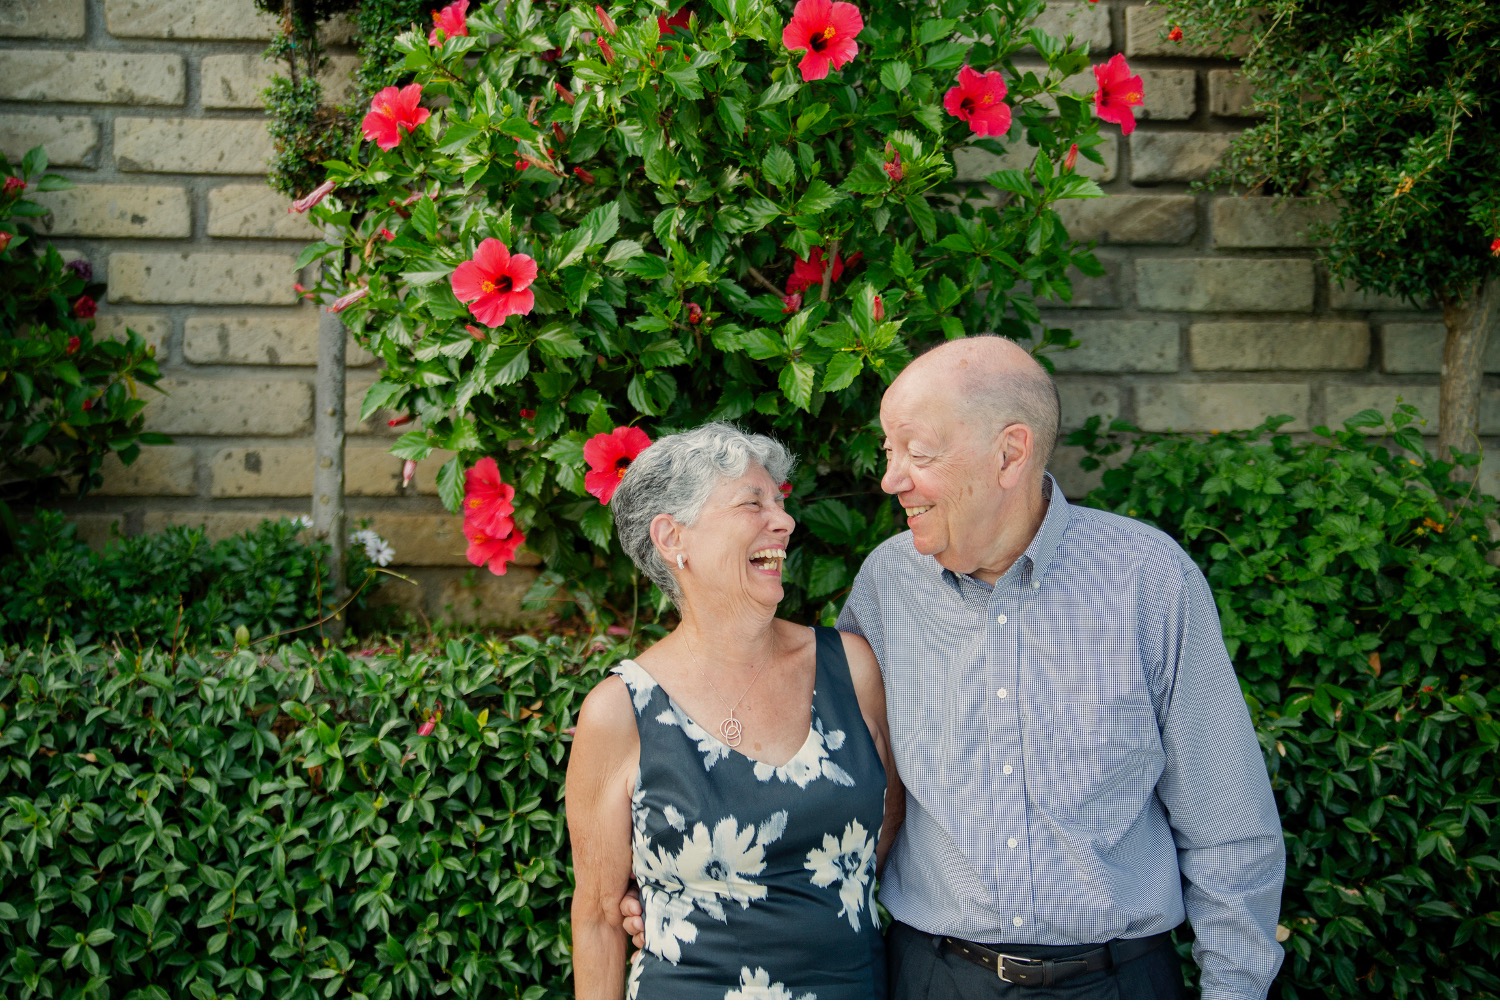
(944, 473)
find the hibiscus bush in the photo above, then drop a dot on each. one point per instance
(567, 232)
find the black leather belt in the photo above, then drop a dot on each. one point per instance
(1045, 972)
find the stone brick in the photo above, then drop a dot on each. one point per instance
(422, 540)
(1225, 284)
(1120, 347)
(195, 146)
(201, 278)
(110, 78)
(485, 600)
(1279, 346)
(1086, 22)
(215, 524)
(1417, 348)
(239, 81)
(1175, 157)
(187, 19)
(230, 406)
(71, 141)
(266, 470)
(1266, 222)
(1343, 297)
(42, 18)
(1146, 35)
(1131, 220)
(970, 164)
(370, 470)
(255, 211)
(1070, 475)
(1169, 94)
(289, 337)
(1345, 400)
(355, 387)
(1210, 406)
(1230, 95)
(1093, 292)
(118, 211)
(159, 471)
(154, 329)
(96, 528)
(1083, 398)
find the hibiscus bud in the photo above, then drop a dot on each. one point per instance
(851, 260)
(879, 311)
(73, 344)
(563, 92)
(399, 208)
(694, 313)
(5, 237)
(1175, 34)
(81, 269)
(88, 404)
(313, 198)
(549, 55)
(387, 234)
(585, 175)
(474, 331)
(404, 418)
(791, 303)
(408, 470)
(85, 307)
(605, 21)
(607, 49)
(427, 726)
(528, 414)
(1071, 159)
(522, 164)
(302, 292)
(13, 184)
(893, 168)
(358, 294)
(557, 131)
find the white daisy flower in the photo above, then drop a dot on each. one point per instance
(847, 861)
(757, 986)
(666, 921)
(719, 866)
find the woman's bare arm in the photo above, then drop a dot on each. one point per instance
(601, 774)
(870, 689)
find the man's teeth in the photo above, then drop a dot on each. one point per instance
(912, 512)
(772, 558)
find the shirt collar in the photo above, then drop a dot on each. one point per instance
(1043, 546)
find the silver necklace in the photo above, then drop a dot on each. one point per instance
(731, 727)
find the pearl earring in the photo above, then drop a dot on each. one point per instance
(680, 564)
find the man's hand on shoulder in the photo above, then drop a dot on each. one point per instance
(635, 922)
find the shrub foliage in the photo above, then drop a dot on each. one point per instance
(280, 825)
(1364, 622)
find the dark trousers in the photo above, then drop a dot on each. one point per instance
(921, 970)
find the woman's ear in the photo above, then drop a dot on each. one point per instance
(666, 535)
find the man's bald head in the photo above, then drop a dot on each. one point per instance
(991, 382)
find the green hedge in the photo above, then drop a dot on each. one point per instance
(1364, 622)
(278, 826)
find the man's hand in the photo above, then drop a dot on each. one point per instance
(635, 923)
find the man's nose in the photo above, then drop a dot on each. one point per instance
(894, 481)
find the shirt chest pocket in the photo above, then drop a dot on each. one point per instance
(1098, 764)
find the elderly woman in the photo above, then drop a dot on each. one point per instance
(739, 767)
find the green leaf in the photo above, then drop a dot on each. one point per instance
(456, 137)
(380, 395)
(781, 90)
(424, 218)
(842, 370)
(778, 168)
(450, 484)
(685, 81)
(895, 76)
(818, 197)
(922, 216)
(796, 382)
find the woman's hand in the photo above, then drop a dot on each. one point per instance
(601, 774)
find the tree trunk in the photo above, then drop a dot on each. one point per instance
(329, 519)
(1469, 323)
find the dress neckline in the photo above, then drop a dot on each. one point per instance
(812, 739)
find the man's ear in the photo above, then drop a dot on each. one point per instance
(666, 535)
(1014, 449)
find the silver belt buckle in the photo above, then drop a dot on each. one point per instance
(1013, 961)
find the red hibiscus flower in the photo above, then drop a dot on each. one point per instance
(791, 304)
(73, 344)
(1175, 34)
(487, 551)
(13, 185)
(88, 404)
(893, 167)
(667, 25)
(825, 29)
(786, 489)
(487, 500)
(978, 101)
(450, 22)
(495, 281)
(809, 272)
(1495, 247)
(528, 414)
(608, 456)
(392, 109)
(694, 313)
(1119, 89)
(85, 307)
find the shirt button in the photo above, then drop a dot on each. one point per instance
(1000, 619)
(1017, 921)
(1002, 693)
(1036, 584)
(1007, 769)
(1011, 843)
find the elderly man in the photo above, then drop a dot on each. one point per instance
(1079, 762)
(1080, 768)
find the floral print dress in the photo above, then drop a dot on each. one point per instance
(757, 880)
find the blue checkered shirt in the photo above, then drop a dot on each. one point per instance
(1078, 757)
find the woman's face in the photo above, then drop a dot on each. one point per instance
(738, 544)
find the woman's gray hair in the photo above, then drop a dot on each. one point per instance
(675, 477)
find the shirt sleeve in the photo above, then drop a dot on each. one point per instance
(1219, 802)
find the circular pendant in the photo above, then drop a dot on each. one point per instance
(731, 729)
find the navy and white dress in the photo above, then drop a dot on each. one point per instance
(757, 880)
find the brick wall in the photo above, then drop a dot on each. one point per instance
(1213, 313)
